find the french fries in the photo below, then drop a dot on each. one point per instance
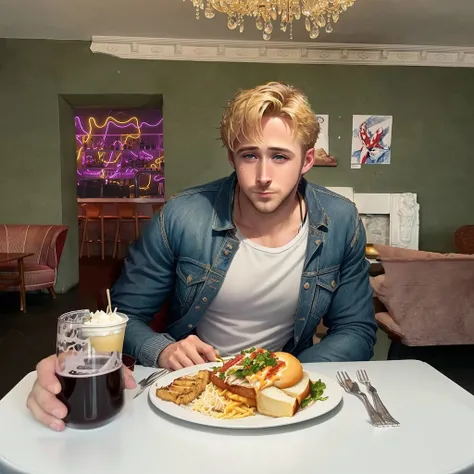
(226, 405)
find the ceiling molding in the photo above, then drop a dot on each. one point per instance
(282, 52)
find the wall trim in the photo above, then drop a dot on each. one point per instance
(282, 52)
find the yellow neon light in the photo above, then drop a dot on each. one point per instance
(145, 188)
(113, 161)
(93, 122)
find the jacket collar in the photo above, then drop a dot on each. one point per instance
(223, 208)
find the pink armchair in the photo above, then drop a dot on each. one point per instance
(46, 242)
(425, 298)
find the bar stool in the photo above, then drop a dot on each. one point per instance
(93, 213)
(127, 213)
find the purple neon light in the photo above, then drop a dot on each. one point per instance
(121, 126)
(118, 172)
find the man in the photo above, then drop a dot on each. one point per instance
(254, 259)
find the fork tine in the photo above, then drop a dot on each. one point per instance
(154, 376)
(341, 381)
(364, 373)
(348, 379)
(360, 376)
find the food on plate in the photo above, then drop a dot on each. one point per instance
(184, 390)
(256, 381)
(316, 393)
(220, 403)
(300, 390)
(256, 369)
(275, 402)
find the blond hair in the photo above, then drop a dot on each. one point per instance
(243, 114)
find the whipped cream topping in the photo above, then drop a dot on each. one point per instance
(101, 318)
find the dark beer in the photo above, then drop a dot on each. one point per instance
(92, 400)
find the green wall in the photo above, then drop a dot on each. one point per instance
(433, 111)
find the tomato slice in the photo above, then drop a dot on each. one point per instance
(230, 363)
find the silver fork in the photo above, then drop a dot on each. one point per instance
(352, 387)
(379, 406)
(147, 381)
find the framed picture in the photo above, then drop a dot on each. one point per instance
(322, 155)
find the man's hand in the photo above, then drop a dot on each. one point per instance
(42, 401)
(185, 353)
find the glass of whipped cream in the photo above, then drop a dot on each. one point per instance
(89, 366)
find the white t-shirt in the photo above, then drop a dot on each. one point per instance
(257, 302)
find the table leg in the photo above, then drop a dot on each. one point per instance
(21, 271)
(102, 237)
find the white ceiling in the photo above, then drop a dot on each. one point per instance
(413, 22)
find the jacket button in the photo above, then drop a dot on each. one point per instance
(333, 284)
(226, 252)
(189, 279)
(204, 300)
(197, 308)
(306, 286)
(229, 246)
(190, 326)
(317, 242)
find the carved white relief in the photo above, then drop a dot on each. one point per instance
(324, 54)
(377, 228)
(303, 53)
(390, 219)
(408, 208)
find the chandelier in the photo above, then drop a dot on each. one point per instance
(318, 14)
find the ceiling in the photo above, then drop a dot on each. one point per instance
(412, 22)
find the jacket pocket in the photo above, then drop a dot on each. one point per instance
(327, 282)
(191, 276)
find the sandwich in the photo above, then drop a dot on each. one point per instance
(273, 381)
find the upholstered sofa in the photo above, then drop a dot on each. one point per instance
(45, 242)
(425, 298)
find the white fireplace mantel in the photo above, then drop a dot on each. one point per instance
(402, 209)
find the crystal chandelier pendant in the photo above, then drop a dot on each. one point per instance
(317, 14)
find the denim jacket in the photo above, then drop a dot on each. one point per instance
(183, 255)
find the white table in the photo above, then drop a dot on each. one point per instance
(436, 435)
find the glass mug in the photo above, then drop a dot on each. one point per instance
(89, 368)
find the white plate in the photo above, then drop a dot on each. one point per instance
(333, 392)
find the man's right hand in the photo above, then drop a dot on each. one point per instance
(42, 401)
(185, 353)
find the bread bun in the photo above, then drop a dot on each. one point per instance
(289, 374)
(274, 402)
(301, 390)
